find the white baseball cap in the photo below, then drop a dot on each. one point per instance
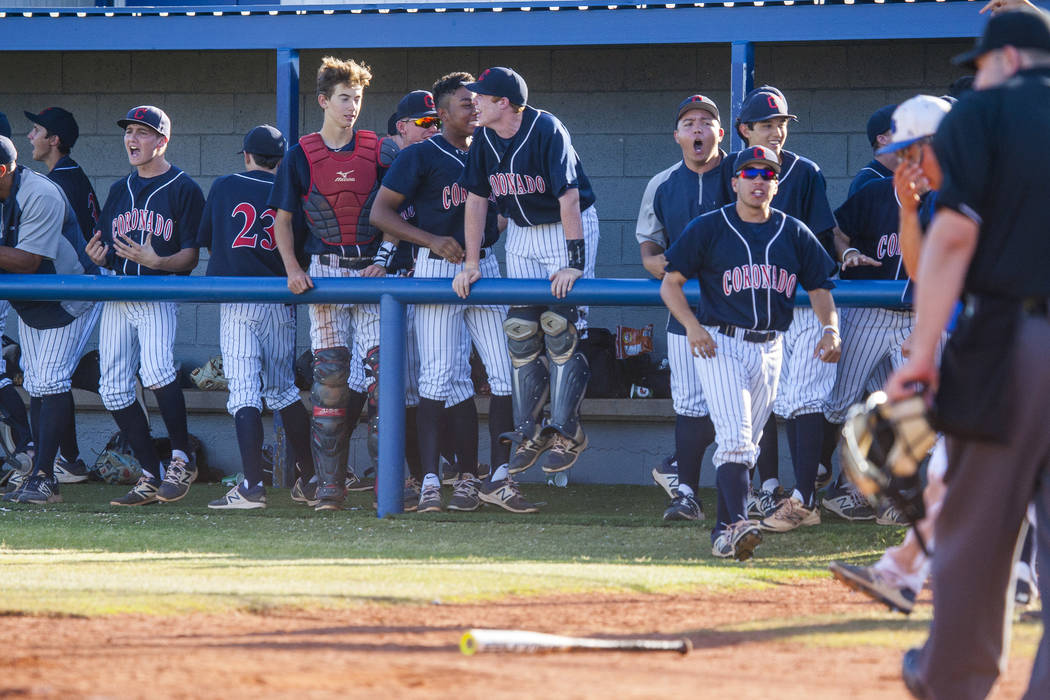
(915, 119)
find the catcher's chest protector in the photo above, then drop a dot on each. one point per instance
(336, 204)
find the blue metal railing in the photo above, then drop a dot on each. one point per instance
(392, 294)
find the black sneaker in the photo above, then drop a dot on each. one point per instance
(465, 493)
(70, 472)
(177, 479)
(505, 494)
(429, 499)
(683, 507)
(37, 489)
(142, 493)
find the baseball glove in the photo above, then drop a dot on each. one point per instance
(209, 377)
(883, 444)
(115, 464)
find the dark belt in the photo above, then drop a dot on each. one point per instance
(434, 256)
(345, 263)
(1030, 306)
(746, 335)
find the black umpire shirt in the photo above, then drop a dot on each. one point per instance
(992, 147)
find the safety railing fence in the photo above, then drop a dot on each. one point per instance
(392, 295)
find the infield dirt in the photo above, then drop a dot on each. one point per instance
(795, 640)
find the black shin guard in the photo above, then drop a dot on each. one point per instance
(330, 426)
(569, 371)
(530, 377)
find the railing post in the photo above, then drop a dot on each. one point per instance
(391, 406)
(288, 94)
(742, 79)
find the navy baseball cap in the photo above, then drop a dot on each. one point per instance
(880, 122)
(153, 117)
(697, 102)
(763, 103)
(756, 154)
(501, 82)
(416, 104)
(264, 140)
(1022, 29)
(8, 152)
(5, 126)
(391, 125)
(59, 122)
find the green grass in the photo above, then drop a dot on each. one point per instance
(86, 557)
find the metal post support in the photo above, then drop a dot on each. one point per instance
(742, 80)
(390, 479)
(288, 94)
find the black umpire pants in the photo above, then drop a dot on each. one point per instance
(989, 488)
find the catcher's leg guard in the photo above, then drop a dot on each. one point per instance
(371, 362)
(529, 385)
(329, 429)
(569, 370)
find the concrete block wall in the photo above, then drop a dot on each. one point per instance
(616, 101)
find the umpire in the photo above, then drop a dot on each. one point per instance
(988, 242)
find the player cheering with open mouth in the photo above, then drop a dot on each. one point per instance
(749, 259)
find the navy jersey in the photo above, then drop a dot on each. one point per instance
(672, 199)
(749, 272)
(529, 171)
(81, 195)
(871, 220)
(872, 172)
(37, 218)
(164, 210)
(237, 226)
(292, 183)
(429, 175)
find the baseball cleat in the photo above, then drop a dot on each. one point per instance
(239, 498)
(356, 483)
(465, 493)
(683, 507)
(70, 472)
(330, 496)
(889, 515)
(304, 492)
(737, 541)
(823, 478)
(429, 499)
(564, 451)
(37, 489)
(528, 450)
(666, 476)
(849, 504)
(790, 514)
(142, 493)
(874, 584)
(177, 479)
(763, 502)
(505, 494)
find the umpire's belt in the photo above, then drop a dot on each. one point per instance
(434, 256)
(345, 263)
(746, 335)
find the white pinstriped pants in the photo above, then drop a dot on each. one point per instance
(135, 335)
(739, 382)
(870, 336)
(258, 347)
(444, 333)
(805, 381)
(687, 394)
(352, 326)
(49, 355)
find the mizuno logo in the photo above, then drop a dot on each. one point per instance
(344, 176)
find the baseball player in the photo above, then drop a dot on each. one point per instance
(331, 177)
(257, 340)
(882, 164)
(524, 158)
(674, 197)
(54, 133)
(428, 175)
(40, 236)
(805, 381)
(749, 259)
(148, 226)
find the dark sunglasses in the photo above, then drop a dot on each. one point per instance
(752, 173)
(427, 122)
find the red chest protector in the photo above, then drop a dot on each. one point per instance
(337, 203)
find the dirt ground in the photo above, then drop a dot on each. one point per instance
(383, 651)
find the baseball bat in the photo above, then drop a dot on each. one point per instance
(522, 641)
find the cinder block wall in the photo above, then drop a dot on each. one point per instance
(617, 103)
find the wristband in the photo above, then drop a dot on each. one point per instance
(831, 329)
(577, 253)
(383, 255)
(845, 252)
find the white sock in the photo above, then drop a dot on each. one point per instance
(431, 480)
(147, 474)
(770, 484)
(797, 495)
(180, 454)
(500, 474)
(313, 479)
(684, 490)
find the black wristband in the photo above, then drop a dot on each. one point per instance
(577, 253)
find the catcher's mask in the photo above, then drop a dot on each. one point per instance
(883, 444)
